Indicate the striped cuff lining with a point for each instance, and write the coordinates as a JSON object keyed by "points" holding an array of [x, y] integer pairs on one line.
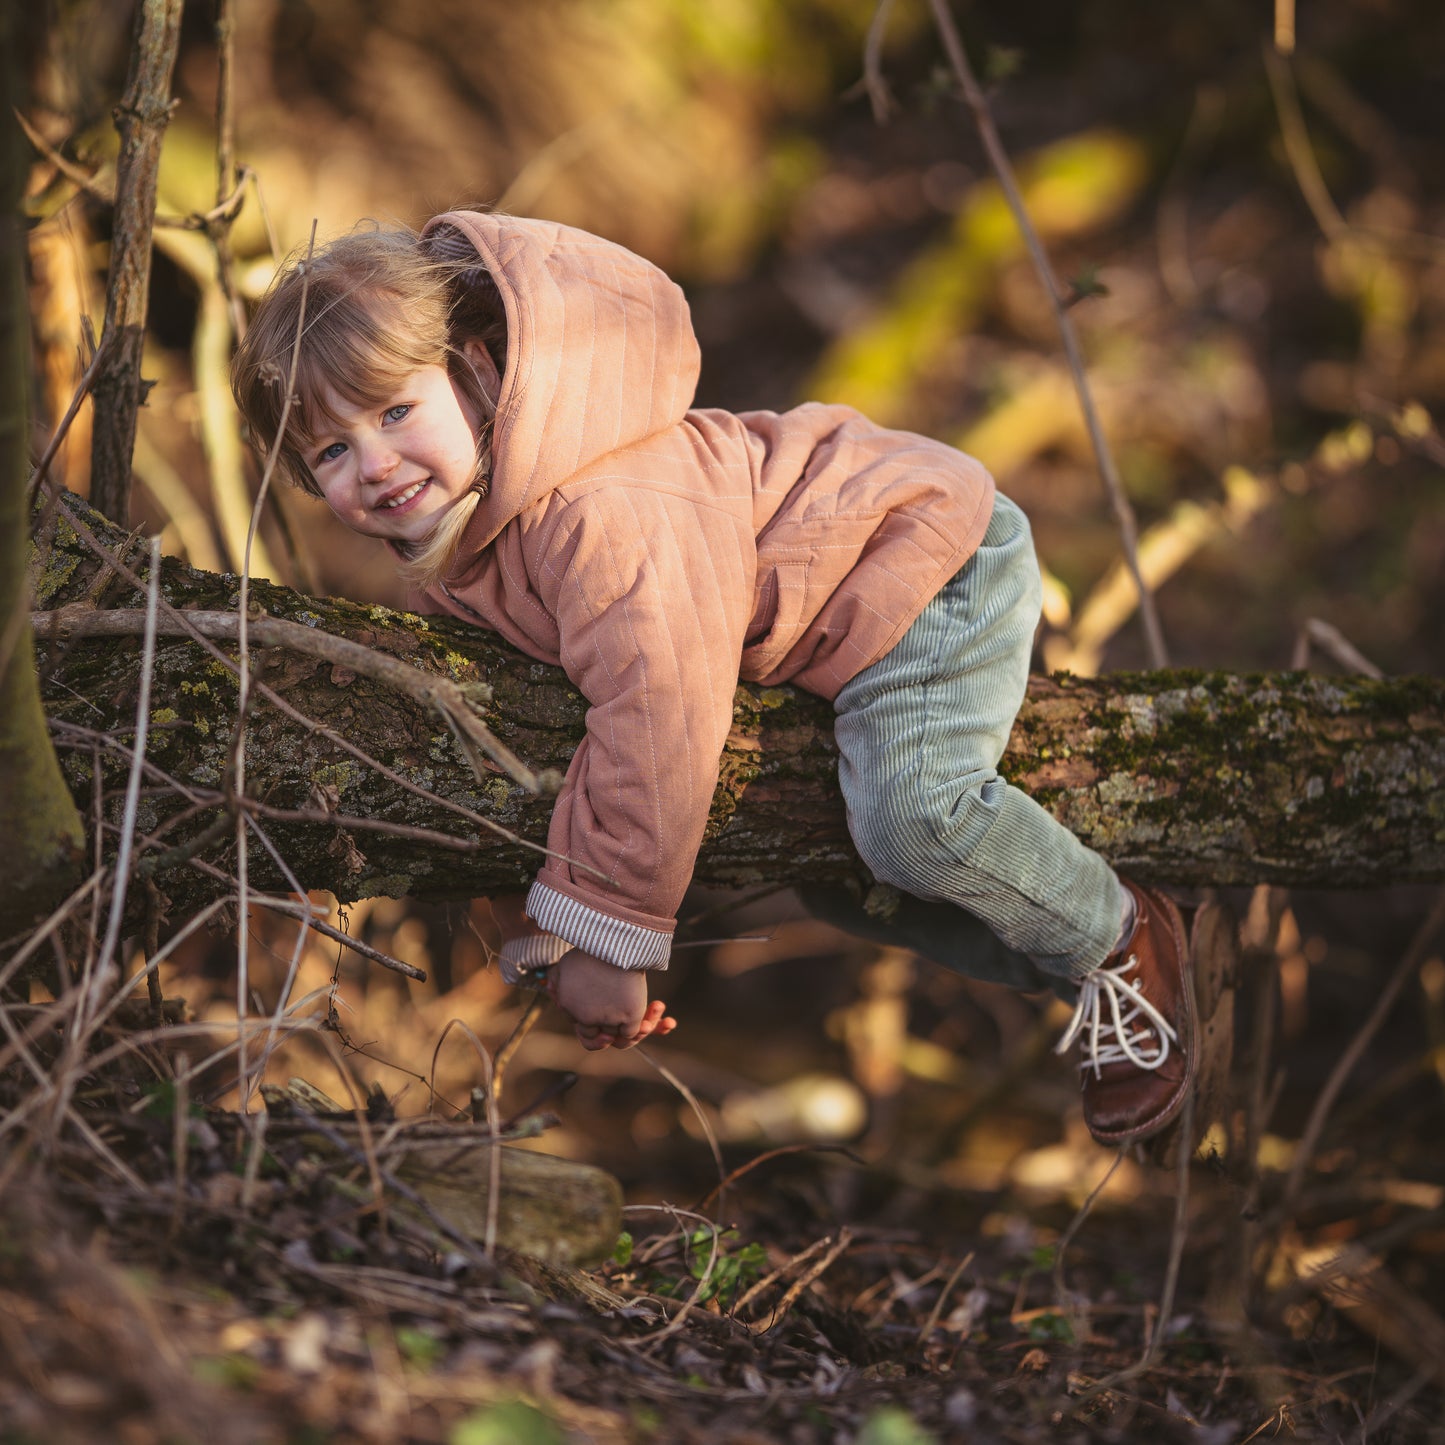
{"points": [[622, 944], [531, 954]]}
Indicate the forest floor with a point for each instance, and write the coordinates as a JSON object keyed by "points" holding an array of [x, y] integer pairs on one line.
{"points": [[933, 1280]]}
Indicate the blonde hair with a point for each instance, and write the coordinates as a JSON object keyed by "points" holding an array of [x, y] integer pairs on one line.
{"points": [[378, 306]]}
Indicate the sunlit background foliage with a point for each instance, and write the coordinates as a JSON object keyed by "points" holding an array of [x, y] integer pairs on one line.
{"points": [[1258, 275]]}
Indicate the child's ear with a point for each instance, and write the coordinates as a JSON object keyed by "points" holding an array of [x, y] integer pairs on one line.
{"points": [[481, 361]]}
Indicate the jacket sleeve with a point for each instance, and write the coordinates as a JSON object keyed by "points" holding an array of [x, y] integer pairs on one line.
{"points": [[652, 594]]}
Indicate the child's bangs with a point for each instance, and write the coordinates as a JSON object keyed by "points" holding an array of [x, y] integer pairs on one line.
{"points": [[357, 352]]}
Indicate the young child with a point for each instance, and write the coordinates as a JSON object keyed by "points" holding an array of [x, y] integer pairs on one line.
{"points": [[507, 404]]}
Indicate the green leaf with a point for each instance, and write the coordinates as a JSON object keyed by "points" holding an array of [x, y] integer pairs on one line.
{"points": [[512, 1423], [418, 1346], [893, 1425]]}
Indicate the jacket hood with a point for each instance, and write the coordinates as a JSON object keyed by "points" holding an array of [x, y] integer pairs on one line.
{"points": [[600, 355]]}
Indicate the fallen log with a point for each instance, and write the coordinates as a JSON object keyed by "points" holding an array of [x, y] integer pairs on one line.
{"points": [[1186, 777]]}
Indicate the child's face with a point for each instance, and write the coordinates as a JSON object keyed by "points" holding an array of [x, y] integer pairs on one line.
{"points": [[390, 471]]}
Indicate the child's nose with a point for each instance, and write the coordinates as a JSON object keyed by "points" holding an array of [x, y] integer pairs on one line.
{"points": [[378, 461]]}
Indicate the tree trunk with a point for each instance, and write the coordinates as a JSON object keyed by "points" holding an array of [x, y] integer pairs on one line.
{"points": [[1194, 778], [43, 833], [141, 117]]}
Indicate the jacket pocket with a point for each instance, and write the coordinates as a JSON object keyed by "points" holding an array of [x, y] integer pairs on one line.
{"points": [[765, 649]]}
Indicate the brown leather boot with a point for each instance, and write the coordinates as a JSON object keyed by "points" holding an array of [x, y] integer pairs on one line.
{"points": [[1134, 1023]]}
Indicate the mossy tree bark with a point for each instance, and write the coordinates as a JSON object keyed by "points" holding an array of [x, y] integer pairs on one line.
{"points": [[1190, 778], [43, 829]]}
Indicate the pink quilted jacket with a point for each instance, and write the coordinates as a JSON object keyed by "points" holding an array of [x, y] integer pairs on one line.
{"points": [[659, 553]]}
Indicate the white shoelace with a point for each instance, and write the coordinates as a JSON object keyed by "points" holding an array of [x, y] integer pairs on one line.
{"points": [[1119, 1037]]}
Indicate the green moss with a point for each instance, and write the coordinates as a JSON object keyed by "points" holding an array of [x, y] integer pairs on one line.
{"points": [[340, 776]]}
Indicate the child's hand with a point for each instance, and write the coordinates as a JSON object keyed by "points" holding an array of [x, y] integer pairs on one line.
{"points": [[607, 1004]]}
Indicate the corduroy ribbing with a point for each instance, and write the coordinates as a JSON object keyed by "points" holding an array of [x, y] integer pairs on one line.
{"points": [[614, 940], [920, 734]]}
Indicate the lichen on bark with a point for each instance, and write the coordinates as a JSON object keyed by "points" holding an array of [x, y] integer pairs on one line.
{"points": [[1193, 777]]}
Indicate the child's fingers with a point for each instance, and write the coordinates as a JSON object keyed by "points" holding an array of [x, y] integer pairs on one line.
{"points": [[651, 1026], [594, 1038]]}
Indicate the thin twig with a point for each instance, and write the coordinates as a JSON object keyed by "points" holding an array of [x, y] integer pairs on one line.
{"points": [[1178, 1236], [761, 1287], [494, 1157], [845, 1238], [441, 693], [505, 1054], [170, 613], [879, 96], [1408, 966], [1331, 640], [703, 1121], [1063, 1296], [936, 1313], [236, 769], [132, 797], [57, 439], [1003, 169], [320, 925], [778, 1153], [715, 1233], [1301, 156]]}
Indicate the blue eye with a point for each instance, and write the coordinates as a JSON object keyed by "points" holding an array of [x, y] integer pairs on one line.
{"points": [[330, 453], [396, 413]]}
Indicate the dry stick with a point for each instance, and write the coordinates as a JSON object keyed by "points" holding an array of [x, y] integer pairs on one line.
{"points": [[1408, 966], [1178, 1235], [936, 1313], [320, 925], [132, 797], [283, 998], [1063, 1296], [33, 942], [412, 832], [675, 1324], [494, 1156], [1330, 639], [1308, 176], [773, 1276], [82, 620], [227, 181], [702, 1119], [92, 184], [1003, 169], [505, 1054], [180, 616], [441, 693], [778, 1153], [879, 96], [1284, 26], [82, 390], [141, 118], [95, 976], [237, 767], [845, 1238]]}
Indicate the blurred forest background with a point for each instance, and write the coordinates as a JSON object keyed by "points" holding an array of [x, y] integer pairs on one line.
{"points": [[1255, 244]]}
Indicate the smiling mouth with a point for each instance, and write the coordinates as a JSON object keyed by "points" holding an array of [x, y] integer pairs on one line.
{"points": [[401, 498]]}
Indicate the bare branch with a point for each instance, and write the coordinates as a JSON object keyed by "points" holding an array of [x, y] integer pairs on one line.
{"points": [[1003, 169], [141, 118]]}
